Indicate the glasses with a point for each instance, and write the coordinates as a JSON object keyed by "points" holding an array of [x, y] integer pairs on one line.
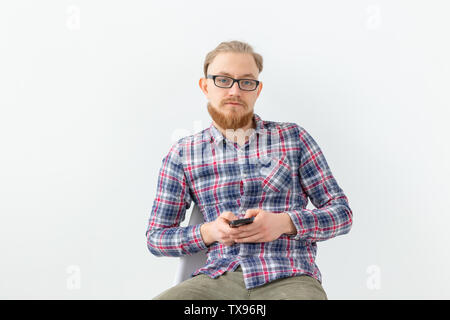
{"points": [[227, 82]]}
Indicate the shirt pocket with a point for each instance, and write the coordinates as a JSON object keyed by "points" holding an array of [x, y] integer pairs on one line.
{"points": [[276, 174]]}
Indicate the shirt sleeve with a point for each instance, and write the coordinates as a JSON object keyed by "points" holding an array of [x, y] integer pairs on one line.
{"points": [[332, 216], [164, 235]]}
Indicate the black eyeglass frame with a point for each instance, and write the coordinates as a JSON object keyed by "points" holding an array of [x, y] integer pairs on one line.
{"points": [[213, 77]]}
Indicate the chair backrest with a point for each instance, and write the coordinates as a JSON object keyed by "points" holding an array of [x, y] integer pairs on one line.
{"points": [[188, 264]]}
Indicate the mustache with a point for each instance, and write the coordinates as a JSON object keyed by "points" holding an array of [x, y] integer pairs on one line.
{"points": [[234, 101]]}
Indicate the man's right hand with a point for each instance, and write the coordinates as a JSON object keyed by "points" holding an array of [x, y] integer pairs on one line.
{"points": [[218, 230]]}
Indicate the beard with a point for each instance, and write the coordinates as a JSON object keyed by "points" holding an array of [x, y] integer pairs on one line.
{"points": [[230, 118]]}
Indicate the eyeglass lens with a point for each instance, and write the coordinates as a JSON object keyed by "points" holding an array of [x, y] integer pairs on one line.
{"points": [[245, 84]]}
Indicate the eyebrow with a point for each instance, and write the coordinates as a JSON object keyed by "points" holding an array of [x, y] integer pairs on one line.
{"points": [[243, 76]]}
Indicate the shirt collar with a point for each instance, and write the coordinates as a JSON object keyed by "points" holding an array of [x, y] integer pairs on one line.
{"points": [[218, 137]]}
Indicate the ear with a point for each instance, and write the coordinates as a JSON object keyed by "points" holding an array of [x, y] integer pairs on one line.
{"points": [[259, 89], [203, 85]]}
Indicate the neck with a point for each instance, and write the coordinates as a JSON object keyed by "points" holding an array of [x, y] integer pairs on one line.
{"points": [[240, 135]]}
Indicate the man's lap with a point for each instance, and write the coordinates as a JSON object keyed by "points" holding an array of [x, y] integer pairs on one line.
{"points": [[230, 286]]}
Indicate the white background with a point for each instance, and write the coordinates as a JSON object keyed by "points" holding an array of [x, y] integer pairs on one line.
{"points": [[93, 94]]}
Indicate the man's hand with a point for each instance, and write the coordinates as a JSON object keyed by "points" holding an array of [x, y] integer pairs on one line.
{"points": [[265, 227], [218, 230]]}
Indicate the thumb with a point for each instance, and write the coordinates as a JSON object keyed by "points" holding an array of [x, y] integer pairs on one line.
{"points": [[228, 215], [252, 212]]}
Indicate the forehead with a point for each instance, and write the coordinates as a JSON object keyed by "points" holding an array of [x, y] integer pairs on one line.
{"points": [[239, 65]]}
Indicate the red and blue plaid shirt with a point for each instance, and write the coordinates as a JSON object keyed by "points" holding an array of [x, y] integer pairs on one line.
{"points": [[277, 170]]}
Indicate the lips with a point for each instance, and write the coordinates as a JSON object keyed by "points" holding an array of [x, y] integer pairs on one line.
{"points": [[234, 103]]}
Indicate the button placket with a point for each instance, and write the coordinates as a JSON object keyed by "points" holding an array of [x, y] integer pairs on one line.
{"points": [[241, 161], [241, 212]]}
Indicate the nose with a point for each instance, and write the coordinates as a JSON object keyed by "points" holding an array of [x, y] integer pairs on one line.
{"points": [[235, 90]]}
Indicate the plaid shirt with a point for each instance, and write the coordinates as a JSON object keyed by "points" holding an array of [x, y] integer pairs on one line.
{"points": [[277, 169]]}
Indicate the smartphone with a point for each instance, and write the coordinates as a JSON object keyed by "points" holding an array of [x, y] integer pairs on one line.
{"points": [[241, 222]]}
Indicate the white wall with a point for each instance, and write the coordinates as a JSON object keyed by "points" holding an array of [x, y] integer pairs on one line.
{"points": [[93, 93]]}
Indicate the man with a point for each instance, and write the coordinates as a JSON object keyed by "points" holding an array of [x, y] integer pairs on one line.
{"points": [[241, 167]]}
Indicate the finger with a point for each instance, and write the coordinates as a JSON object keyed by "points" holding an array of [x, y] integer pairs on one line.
{"points": [[233, 232], [249, 228], [244, 235], [254, 238], [252, 212], [228, 216], [229, 242]]}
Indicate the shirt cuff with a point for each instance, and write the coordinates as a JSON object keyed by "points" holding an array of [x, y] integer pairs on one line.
{"points": [[298, 223], [195, 241]]}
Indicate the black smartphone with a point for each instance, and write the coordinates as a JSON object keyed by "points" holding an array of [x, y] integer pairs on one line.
{"points": [[241, 222]]}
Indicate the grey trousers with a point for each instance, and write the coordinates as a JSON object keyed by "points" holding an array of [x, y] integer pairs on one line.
{"points": [[230, 286]]}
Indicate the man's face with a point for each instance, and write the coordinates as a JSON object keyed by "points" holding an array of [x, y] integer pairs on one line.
{"points": [[224, 114]]}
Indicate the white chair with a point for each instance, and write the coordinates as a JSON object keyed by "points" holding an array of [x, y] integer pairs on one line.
{"points": [[188, 264]]}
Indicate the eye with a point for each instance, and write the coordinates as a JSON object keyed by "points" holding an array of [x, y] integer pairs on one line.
{"points": [[223, 81]]}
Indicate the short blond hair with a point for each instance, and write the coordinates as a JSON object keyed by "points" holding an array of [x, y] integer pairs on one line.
{"points": [[233, 46]]}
